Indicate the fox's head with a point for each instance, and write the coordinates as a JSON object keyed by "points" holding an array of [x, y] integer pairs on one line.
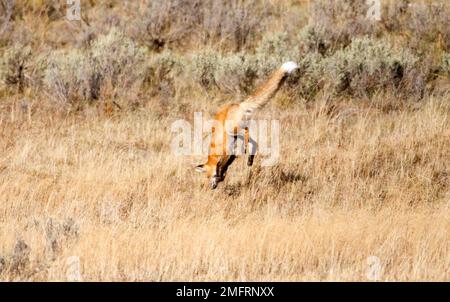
{"points": [[206, 168], [210, 169]]}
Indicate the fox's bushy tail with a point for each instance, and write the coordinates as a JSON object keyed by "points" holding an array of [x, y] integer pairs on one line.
{"points": [[267, 90]]}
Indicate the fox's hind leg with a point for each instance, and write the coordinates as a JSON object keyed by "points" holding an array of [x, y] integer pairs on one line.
{"points": [[251, 147]]}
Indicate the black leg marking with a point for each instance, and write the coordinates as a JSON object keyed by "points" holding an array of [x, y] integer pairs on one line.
{"points": [[225, 167], [253, 147]]}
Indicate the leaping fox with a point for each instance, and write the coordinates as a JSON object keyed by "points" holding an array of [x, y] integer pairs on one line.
{"points": [[232, 119]]}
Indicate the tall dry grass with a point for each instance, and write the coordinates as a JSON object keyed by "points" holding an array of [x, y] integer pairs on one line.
{"points": [[352, 182]]}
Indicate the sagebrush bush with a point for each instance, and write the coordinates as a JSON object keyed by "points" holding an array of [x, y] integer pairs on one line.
{"points": [[163, 72], [362, 68], [164, 47], [203, 66], [366, 66], [313, 39], [119, 63], [446, 63], [235, 73], [273, 50], [70, 77], [238, 72], [230, 73], [113, 67], [308, 80], [14, 65]]}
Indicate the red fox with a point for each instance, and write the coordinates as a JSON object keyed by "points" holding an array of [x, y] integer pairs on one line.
{"points": [[232, 119]]}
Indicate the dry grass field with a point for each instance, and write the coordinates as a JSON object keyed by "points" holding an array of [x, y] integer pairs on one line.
{"points": [[108, 191], [92, 192]]}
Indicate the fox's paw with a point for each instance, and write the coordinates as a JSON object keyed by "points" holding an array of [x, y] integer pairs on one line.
{"points": [[214, 182]]}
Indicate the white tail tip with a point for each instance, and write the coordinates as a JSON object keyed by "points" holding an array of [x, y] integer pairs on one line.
{"points": [[289, 66]]}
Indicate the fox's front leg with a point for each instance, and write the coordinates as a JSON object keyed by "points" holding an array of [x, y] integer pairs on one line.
{"points": [[227, 163], [221, 170], [224, 162]]}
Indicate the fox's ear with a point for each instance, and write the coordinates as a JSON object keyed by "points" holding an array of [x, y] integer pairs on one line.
{"points": [[200, 168]]}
